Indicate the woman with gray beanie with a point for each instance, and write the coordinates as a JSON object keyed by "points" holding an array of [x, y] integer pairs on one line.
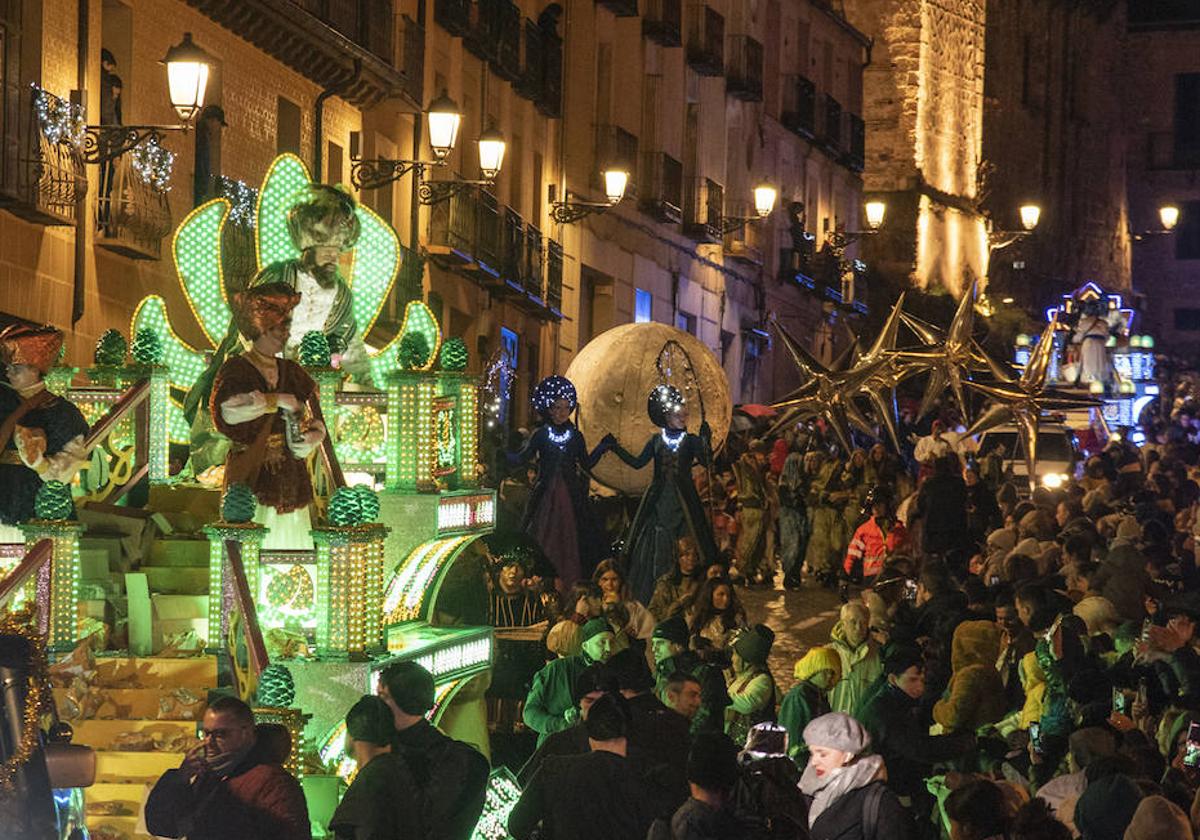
{"points": [[845, 787]]}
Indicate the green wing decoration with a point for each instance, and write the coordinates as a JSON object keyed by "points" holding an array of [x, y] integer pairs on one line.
{"points": [[185, 362], [197, 251], [286, 177]]}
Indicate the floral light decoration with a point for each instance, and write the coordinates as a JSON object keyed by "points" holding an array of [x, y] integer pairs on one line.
{"points": [[196, 248], [59, 120], [154, 164]]}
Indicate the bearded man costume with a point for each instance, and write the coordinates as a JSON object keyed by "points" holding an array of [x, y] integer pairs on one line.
{"points": [[270, 444], [41, 435], [322, 224]]}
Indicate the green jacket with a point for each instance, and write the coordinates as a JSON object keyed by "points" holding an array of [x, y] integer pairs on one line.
{"points": [[551, 695]]}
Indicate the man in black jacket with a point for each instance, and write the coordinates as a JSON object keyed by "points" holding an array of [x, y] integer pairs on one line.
{"points": [[450, 775], [669, 643], [891, 715], [382, 803], [596, 796]]}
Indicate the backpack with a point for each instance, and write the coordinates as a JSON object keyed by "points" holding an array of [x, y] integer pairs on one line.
{"points": [[870, 812], [767, 799]]}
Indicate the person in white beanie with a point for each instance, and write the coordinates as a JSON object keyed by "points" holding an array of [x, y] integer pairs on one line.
{"points": [[845, 787]]}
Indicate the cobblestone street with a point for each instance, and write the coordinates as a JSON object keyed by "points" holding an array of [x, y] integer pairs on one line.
{"points": [[800, 620]]}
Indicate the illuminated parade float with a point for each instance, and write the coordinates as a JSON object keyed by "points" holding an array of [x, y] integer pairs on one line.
{"points": [[1099, 352], [389, 569]]}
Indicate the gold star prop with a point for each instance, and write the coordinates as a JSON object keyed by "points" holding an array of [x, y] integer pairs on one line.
{"points": [[824, 393], [890, 370], [950, 358], [1023, 402]]}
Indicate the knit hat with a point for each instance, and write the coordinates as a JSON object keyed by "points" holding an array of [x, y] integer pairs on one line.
{"points": [[712, 761], [837, 731], [1002, 540], [673, 629], [754, 644], [593, 628], [819, 659], [1158, 818], [1106, 808], [1129, 529]]}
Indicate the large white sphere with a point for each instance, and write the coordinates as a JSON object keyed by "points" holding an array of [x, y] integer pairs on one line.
{"points": [[615, 372]]}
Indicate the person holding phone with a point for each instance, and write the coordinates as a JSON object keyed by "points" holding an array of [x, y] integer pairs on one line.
{"points": [[228, 786]]}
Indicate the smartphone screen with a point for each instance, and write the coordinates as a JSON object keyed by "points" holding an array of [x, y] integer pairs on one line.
{"points": [[1122, 701], [910, 590], [1191, 754], [1035, 736]]}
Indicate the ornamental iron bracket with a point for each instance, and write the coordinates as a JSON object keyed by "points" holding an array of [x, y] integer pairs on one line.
{"points": [[435, 192], [105, 143], [568, 212], [379, 172]]}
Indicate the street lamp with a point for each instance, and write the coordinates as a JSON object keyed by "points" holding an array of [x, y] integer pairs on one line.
{"points": [[444, 121], [875, 211], [1030, 214], [491, 153], [616, 179], [187, 80], [764, 203], [1168, 214]]}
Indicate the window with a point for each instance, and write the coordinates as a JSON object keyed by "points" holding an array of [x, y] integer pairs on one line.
{"points": [[1187, 234], [1187, 320], [333, 163], [509, 343], [1187, 113], [686, 321], [287, 126], [643, 306]]}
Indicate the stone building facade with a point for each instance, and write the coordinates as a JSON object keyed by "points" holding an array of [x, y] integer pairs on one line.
{"points": [[701, 101], [1162, 85]]}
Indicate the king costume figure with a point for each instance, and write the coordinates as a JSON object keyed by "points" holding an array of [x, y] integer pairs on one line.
{"points": [[41, 435], [266, 405], [322, 224]]}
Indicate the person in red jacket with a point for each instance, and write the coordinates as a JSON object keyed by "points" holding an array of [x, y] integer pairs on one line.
{"points": [[228, 787], [874, 540]]}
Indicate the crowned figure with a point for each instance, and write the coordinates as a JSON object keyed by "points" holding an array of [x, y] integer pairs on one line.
{"points": [[41, 434], [266, 406]]}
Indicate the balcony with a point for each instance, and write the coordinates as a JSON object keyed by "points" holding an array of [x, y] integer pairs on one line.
{"points": [[662, 188], [533, 264], [40, 179], [616, 146], [744, 78], [132, 212], [454, 16], [799, 114], [796, 264], [1163, 152], [703, 212], [620, 8], [662, 22], [554, 278], [494, 35], [856, 158], [831, 126], [706, 40], [323, 40], [746, 244]]}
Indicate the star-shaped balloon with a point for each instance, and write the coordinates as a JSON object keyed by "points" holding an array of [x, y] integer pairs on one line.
{"points": [[826, 393], [950, 358], [1024, 401], [888, 369]]}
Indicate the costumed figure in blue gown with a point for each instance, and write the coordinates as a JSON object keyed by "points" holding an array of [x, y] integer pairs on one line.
{"points": [[41, 435], [670, 507], [558, 515]]}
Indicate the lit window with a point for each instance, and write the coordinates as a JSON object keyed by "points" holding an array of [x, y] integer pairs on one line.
{"points": [[643, 306]]}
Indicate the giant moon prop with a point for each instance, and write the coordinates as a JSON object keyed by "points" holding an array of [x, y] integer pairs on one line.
{"points": [[615, 372]]}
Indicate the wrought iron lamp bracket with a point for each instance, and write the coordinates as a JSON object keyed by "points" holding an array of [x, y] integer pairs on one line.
{"points": [[435, 192], [379, 172], [104, 143]]}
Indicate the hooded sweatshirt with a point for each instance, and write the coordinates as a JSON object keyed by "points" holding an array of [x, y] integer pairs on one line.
{"points": [[975, 695]]}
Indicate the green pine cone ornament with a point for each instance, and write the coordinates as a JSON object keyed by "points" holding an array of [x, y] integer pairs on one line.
{"points": [[314, 349], [111, 349], [53, 501], [454, 354], [276, 688], [147, 348], [238, 504], [414, 351], [345, 508], [368, 502]]}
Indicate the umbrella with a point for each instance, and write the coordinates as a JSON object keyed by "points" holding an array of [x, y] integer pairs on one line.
{"points": [[756, 411]]}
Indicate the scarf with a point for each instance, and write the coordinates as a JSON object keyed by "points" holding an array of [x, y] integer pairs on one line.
{"points": [[223, 764], [829, 789]]}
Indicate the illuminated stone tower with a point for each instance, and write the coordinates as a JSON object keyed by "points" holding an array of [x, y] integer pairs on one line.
{"points": [[923, 105]]}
